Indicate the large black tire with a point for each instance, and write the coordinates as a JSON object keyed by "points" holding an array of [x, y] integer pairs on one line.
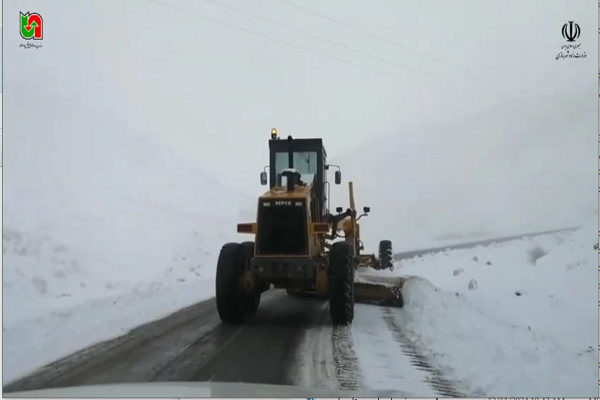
{"points": [[341, 284], [233, 303], [228, 293], [386, 256]]}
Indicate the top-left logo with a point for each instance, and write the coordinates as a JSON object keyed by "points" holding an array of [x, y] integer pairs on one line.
{"points": [[32, 26]]}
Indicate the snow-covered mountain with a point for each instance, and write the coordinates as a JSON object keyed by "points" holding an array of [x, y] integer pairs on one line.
{"points": [[520, 167], [91, 208]]}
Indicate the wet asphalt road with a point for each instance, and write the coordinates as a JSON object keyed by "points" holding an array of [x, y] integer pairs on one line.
{"points": [[415, 253], [191, 345]]}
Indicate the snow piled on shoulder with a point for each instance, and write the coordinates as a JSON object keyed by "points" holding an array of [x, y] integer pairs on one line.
{"points": [[63, 330], [96, 217], [514, 319]]}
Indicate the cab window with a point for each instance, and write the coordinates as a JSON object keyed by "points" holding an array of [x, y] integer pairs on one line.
{"points": [[304, 162]]}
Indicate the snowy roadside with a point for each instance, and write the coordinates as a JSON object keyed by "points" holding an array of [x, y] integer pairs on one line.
{"points": [[102, 239], [77, 279], [364, 356], [35, 342], [384, 365], [511, 319], [527, 326], [51, 269], [58, 299]]}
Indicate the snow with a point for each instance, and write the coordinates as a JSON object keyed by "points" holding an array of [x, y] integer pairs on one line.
{"points": [[384, 364], [483, 176], [63, 329], [76, 278], [488, 339], [100, 221], [323, 365], [104, 229]]}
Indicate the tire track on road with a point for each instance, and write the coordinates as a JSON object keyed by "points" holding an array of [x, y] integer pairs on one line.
{"points": [[347, 370], [264, 350], [326, 358], [435, 378]]}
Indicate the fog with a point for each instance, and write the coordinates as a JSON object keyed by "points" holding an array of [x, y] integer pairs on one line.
{"points": [[519, 167], [450, 116]]}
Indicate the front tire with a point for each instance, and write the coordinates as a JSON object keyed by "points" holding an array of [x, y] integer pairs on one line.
{"points": [[386, 256], [341, 284]]}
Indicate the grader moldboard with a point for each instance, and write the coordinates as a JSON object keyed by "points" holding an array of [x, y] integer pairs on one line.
{"points": [[295, 247]]}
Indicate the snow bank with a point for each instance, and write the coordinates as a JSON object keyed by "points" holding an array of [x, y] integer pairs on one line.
{"points": [[93, 212], [76, 227], [528, 328], [384, 365], [65, 329], [512, 319]]}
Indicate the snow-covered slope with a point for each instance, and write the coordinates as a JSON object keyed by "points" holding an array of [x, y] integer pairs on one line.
{"points": [[521, 167], [92, 212], [91, 208], [513, 319]]}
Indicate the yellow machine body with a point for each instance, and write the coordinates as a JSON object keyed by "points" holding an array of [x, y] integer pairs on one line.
{"points": [[299, 245], [372, 290]]}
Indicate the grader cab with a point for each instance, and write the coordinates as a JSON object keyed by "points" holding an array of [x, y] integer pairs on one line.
{"points": [[296, 244]]}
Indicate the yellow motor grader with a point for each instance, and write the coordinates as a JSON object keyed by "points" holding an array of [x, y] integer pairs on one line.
{"points": [[296, 244]]}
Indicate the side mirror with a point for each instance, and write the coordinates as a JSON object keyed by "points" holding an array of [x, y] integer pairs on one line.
{"points": [[338, 177], [339, 210], [366, 210], [263, 178]]}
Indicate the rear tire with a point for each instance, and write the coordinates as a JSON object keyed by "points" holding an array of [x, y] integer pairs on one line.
{"points": [[234, 303], [228, 294], [341, 284], [386, 256]]}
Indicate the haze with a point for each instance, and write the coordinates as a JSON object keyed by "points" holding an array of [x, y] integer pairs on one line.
{"points": [[484, 131]]}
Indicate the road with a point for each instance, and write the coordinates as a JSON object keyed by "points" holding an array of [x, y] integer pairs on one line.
{"points": [[192, 345], [415, 253]]}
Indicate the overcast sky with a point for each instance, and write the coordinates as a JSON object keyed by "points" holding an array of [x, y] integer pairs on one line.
{"points": [[192, 78], [209, 81]]}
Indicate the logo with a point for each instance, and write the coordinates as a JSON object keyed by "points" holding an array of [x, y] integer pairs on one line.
{"points": [[283, 203], [32, 26], [571, 31]]}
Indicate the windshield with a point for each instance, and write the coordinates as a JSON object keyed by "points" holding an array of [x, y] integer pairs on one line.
{"points": [[304, 162]]}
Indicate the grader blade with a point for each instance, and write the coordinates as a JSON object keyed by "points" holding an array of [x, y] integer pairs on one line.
{"points": [[379, 291]]}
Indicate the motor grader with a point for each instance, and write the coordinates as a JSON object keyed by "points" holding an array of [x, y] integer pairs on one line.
{"points": [[299, 245]]}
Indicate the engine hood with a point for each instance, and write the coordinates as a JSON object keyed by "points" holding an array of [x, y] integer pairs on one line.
{"points": [[191, 389], [282, 193]]}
